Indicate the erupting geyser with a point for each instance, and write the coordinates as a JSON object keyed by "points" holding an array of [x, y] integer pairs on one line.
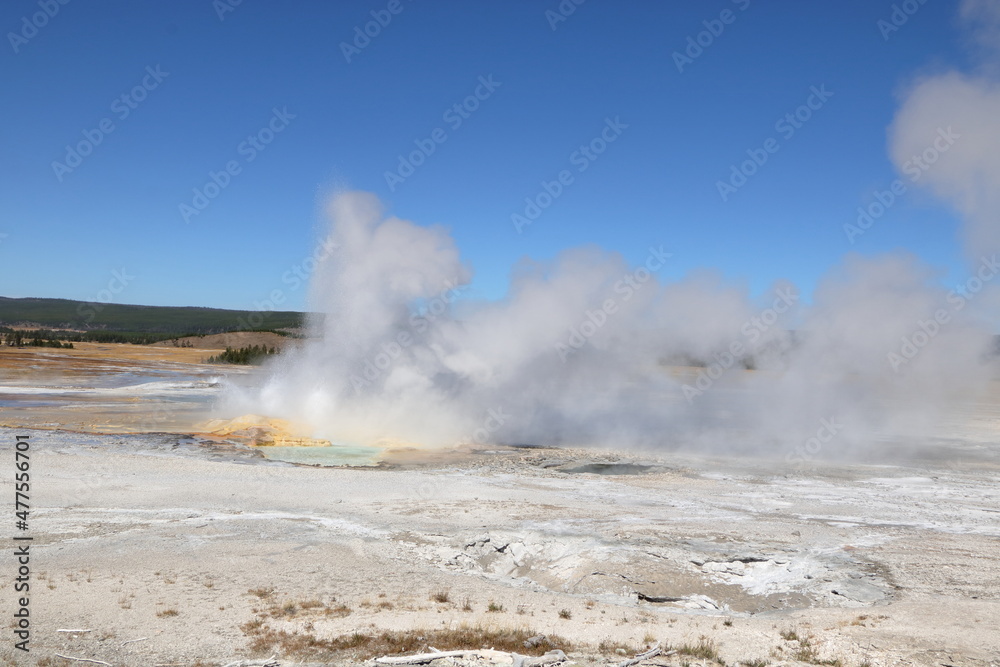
{"points": [[587, 350]]}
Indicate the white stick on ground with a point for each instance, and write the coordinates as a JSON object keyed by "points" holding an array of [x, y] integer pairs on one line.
{"points": [[96, 662], [422, 657], [73, 630], [549, 658], [651, 653], [132, 641], [552, 657]]}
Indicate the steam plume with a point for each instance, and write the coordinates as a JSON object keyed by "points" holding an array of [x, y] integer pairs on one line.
{"points": [[588, 350]]}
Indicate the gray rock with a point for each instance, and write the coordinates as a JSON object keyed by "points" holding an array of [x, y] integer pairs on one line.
{"points": [[859, 591]]}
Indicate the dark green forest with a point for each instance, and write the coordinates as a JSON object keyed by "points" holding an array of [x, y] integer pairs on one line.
{"points": [[254, 354], [37, 338], [128, 323]]}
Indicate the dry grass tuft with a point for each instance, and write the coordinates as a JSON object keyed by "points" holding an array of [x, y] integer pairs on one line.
{"points": [[790, 635], [293, 609], [359, 646], [262, 593], [705, 649], [609, 647], [49, 661], [806, 652]]}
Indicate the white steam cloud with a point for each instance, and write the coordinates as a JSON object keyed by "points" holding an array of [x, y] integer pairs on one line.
{"points": [[967, 175], [587, 350]]}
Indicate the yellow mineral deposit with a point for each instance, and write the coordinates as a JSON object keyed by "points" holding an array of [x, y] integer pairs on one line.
{"points": [[259, 431]]}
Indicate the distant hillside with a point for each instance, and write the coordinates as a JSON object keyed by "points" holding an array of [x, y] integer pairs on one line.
{"points": [[86, 316]]}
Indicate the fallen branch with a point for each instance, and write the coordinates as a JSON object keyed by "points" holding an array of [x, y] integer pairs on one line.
{"points": [[132, 641], [96, 662], [422, 657], [270, 662], [651, 653], [74, 630], [550, 658], [655, 651], [658, 598]]}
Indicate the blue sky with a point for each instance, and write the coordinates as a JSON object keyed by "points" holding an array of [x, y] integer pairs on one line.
{"points": [[220, 81]]}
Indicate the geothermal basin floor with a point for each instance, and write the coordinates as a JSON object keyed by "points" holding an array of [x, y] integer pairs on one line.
{"points": [[211, 553]]}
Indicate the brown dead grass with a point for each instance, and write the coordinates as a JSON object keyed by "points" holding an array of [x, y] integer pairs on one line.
{"points": [[89, 357], [609, 647], [234, 339], [262, 593], [293, 609], [265, 640], [705, 649]]}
